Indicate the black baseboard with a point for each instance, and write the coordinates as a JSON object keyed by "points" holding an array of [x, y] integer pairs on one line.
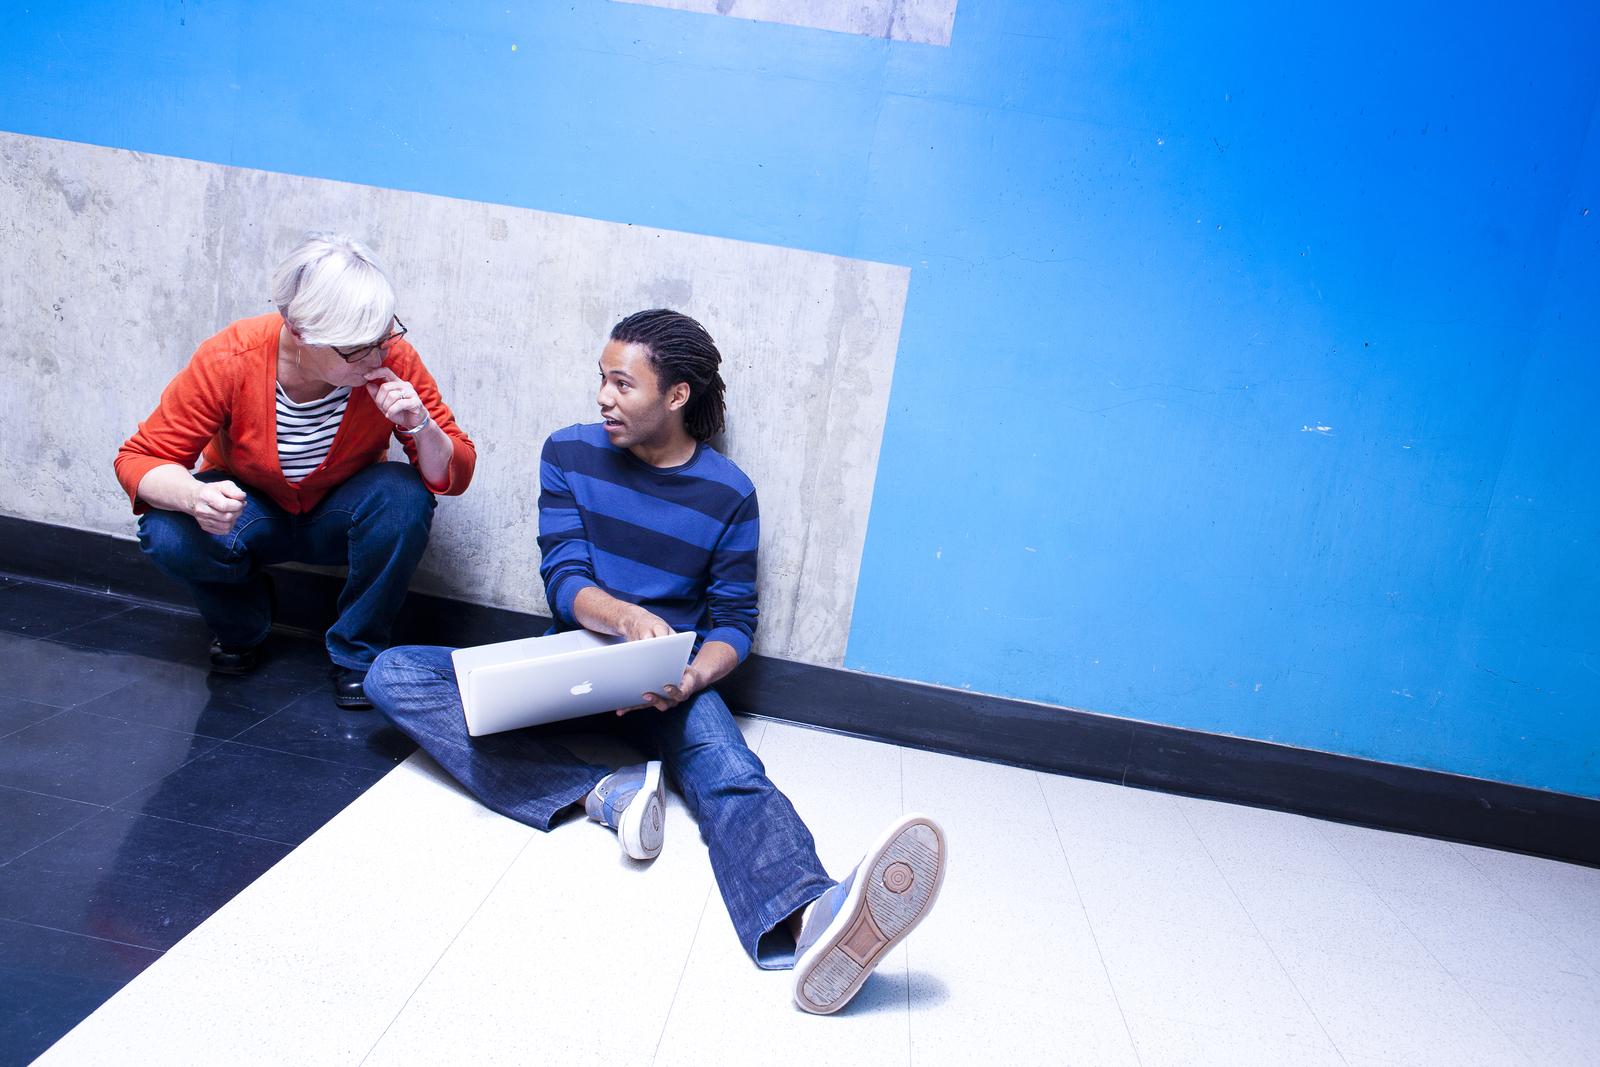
{"points": [[1043, 737], [1173, 760], [305, 599]]}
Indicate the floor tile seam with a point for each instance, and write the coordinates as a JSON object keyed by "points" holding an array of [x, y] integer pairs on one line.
{"points": [[1430, 968], [87, 937], [1549, 930], [1457, 981], [445, 951], [1527, 1058], [1543, 989], [52, 796], [1384, 899], [110, 650], [911, 1037], [107, 594], [1115, 923], [1591, 997], [52, 710], [64, 830], [194, 756], [900, 772], [31, 725], [761, 736], [79, 646], [56, 708], [1276, 958], [1454, 979], [302, 755], [1093, 936], [1366, 880], [210, 954], [266, 712], [1379, 890], [1274, 882], [216, 829], [1235, 1032], [911, 1055], [320, 687], [53, 634], [1551, 933], [666, 1019], [79, 708]]}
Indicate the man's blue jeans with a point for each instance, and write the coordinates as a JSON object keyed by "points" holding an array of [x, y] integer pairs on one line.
{"points": [[377, 522], [763, 856]]}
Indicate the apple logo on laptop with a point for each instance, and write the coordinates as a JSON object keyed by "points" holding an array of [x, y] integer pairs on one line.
{"points": [[579, 690]]}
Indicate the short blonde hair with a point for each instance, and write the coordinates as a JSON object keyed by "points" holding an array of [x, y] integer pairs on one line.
{"points": [[334, 291]]}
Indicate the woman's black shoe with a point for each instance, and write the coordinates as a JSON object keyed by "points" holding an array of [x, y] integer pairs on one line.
{"points": [[347, 688], [234, 659], [242, 659]]}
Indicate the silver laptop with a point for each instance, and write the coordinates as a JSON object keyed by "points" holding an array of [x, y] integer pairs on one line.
{"points": [[512, 684]]}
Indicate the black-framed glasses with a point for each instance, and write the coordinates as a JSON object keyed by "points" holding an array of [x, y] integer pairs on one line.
{"points": [[351, 355]]}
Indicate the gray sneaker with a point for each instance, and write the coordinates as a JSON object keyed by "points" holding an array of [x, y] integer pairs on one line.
{"points": [[632, 802], [852, 926]]}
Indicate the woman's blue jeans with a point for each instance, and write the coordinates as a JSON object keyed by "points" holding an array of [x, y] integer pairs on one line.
{"points": [[377, 522], [763, 856]]}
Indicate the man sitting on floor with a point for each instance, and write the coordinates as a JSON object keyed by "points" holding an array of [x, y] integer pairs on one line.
{"points": [[644, 528]]}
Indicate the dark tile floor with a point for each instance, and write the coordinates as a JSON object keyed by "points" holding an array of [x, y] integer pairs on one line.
{"points": [[139, 792]]}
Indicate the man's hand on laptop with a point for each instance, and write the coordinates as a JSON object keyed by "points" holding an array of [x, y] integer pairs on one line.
{"points": [[603, 613], [691, 684], [639, 624], [715, 659]]}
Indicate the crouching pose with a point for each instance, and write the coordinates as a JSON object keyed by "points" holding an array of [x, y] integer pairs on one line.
{"points": [[645, 529], [290, 416]]}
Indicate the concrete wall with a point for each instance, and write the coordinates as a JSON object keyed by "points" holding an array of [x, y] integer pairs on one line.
{"points": [[124, 262], [921, 21], [1237, 340]]}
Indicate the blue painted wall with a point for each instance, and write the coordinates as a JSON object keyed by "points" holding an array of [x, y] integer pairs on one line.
{"points": [[1246, 373]]}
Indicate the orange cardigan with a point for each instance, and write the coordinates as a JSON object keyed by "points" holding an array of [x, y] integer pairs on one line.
{"points": [[225, 403]]}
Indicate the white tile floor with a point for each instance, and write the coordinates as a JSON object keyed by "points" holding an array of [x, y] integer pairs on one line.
{"points": [[1081, 923]]}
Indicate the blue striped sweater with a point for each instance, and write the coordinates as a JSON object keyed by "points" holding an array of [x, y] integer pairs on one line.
{"points": [[678, 541]]}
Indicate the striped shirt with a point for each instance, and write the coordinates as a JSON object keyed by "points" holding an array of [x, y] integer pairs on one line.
{"points": [[678, 541], [306, 431]]}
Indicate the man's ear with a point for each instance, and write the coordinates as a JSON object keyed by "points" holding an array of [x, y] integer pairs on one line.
{"points": [[678, 396]]}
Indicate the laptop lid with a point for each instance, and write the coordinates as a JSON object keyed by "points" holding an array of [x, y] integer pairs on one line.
{"points": [[512, 684]]}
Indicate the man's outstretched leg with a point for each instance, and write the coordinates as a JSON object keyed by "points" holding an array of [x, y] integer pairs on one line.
{"points": [[764, 858], [766, 863], [852, 926]]}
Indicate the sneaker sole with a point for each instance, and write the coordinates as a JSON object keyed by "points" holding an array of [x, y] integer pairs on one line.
{"points": [[900, 880], [644, 821]]}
